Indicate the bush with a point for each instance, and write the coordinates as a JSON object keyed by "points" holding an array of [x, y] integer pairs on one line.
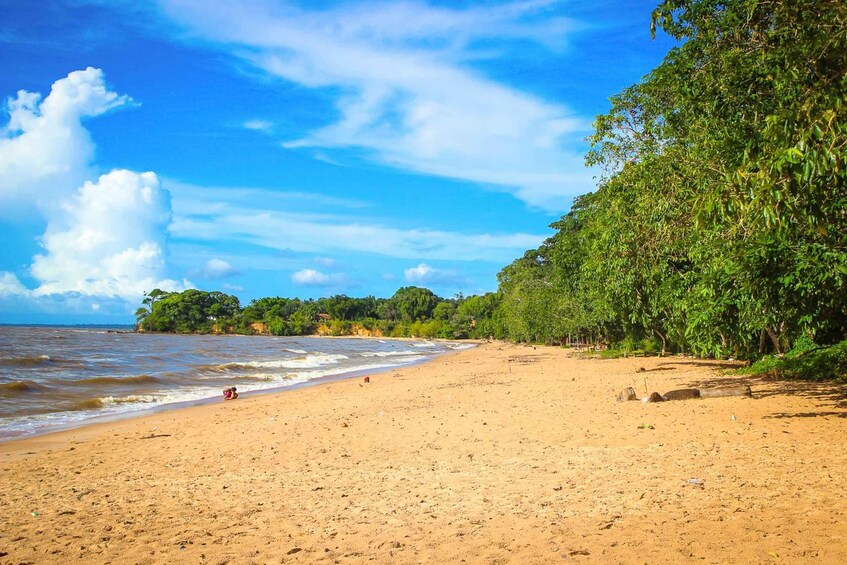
{"points": [[805, 362]]}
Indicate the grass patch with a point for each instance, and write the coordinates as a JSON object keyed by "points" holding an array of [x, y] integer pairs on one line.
{"points": [[805, 361]]}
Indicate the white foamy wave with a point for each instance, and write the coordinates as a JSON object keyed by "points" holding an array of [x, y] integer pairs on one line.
{"points": [[425, 344], [390, 354], [297, 351], [136, 398], [307, 362]]}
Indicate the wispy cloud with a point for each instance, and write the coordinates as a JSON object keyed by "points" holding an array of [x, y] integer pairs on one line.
{"points": [[258, 125], [407, 91], [229, 215]]}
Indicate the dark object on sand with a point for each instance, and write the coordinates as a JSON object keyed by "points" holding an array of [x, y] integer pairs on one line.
{"points": [[627, 394], [742, 390], [682, 394], [687, 393]]}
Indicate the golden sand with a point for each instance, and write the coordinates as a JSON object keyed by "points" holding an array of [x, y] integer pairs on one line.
{"points": [[500, 454]]}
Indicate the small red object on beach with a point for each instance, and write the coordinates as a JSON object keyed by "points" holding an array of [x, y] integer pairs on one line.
{"points": [[367, 379]]}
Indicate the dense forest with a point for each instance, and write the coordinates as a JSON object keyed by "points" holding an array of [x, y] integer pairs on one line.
{"points": [[719, 223]]}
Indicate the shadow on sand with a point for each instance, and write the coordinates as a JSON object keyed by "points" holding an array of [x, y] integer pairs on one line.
{"points": [[830, 396]]}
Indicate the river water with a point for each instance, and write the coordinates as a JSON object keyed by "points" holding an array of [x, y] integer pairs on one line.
{"points": [[56, 377]]}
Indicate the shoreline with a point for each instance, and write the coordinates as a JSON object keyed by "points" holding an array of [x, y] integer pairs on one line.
{"points": [[180, 405], [500, 453]]}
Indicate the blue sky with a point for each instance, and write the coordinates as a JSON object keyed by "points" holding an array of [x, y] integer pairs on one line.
{"points": [[273, 148]]}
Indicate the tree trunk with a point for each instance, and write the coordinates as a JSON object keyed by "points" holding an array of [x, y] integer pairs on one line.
{"points": [[664, 339], [775, 341]]}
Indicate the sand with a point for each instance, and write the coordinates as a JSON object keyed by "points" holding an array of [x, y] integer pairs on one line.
{"points": [[501, 454]]}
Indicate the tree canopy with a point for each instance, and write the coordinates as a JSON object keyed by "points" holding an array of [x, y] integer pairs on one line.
{"points": [[718, 223]]}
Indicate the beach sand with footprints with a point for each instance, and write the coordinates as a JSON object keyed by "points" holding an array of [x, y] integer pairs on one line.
{"points": [[499, 454]]}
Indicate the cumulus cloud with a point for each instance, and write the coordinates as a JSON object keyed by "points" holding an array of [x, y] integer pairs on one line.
{"points": [[10, 285], [311, 277], [406, 91], [110, 240], [217, 269], [314, 278], [105, 238], [45, 152], [424, 274]]}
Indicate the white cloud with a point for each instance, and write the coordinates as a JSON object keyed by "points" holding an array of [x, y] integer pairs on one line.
{"points": [[45, 152], [110, 240], [10, 285], [311, 277], [406, 91], [228, 214], [424, 274], [217, 269], [104, 239], [258, 125], [325, 261], [305, 233]]}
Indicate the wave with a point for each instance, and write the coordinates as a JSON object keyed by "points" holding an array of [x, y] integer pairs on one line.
{"points": [[390, 354], [88, 404], [134, 380], [425, 344], [29, 361], [17, 388], [133, 399], [306, 362]]}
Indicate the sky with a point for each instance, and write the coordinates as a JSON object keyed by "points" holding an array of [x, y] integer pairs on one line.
{"points": [[296, 149]]}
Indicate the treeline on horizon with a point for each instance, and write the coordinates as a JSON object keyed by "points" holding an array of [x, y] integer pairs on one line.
{"points": [[719, 223], [411, 312]]}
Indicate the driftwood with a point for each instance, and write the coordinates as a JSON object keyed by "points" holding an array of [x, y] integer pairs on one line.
{"points": [[682, 394], [726, 391], [686, 393]]}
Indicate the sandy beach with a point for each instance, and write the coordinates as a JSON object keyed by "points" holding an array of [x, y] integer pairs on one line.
{"points": [[499, 454]]}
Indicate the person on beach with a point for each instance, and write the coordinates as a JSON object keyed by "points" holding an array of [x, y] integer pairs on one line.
{"points": [[230, 393]]}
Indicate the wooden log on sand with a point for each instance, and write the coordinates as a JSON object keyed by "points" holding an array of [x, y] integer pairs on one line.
{"points": [[682, 394], [726, 391]]}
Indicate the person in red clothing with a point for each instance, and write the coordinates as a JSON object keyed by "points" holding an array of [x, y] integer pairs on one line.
{"points": [[230, 393]]}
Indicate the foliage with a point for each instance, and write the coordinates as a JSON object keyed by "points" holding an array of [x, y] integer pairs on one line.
{"points": [[411, 312], [191, 311], [806, 363], [718, 225]]}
